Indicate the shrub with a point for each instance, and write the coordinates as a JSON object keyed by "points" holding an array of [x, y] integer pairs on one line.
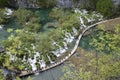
{"points": [[105, 7], [3, 3], [47, 3]]}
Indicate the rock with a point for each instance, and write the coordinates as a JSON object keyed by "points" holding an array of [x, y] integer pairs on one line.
{"points": [[23, 3], [61, 3]]}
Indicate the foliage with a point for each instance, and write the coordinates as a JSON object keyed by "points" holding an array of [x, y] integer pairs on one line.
{"points": [[44, 44], [3, 3], [16, 47], [107, 41], [99, 65], [107, 67], [66, 18], [47, 3], [17, 78], [93, 4], [29, 78], [29, 20], [3, 16], [105, 7], [1, 75], [23, 15]]}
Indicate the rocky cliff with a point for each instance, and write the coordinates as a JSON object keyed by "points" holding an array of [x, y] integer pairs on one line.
{"points": [[60, 3], [23, 3]]}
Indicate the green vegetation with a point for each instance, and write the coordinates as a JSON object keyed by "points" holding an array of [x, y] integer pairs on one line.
{"points": [[23, 44], [3, 3], [23, 15], [16, 46], [102, 64], [107, 41], [47, 3], [29, 20], [3, 16], [1, 75], [93, 4], [105, 7], [66, 18]]}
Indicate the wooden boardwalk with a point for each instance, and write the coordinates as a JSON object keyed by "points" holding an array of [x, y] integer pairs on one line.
{"points": [[26, 73]]}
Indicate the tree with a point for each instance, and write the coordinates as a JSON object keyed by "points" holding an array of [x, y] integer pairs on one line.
{"points": [[3, 16], [29, 20], [105, 7], [22, 15], [44, 44], [18, 46], [106, 44], [108, 67], [33, 25], [107, 41], [1, 75], [29, 78], [66, 19], [3, 3], [47, 3]]}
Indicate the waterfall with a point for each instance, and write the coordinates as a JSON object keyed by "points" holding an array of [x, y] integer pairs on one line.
{"points": [[8, 11], [50, 59], [59, 51], [65, 45], [33, 46], [1, 27], [75, 31], [68, 37], [42, 63], [82, 22], [33, 62]]}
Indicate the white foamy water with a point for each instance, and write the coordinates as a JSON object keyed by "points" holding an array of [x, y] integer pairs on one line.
{"points": [[1, 27], [50, 59], [8, 11], [42, 63], [68, 37], [75, 31]]}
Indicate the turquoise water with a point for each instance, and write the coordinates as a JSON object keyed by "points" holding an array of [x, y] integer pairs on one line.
{"points": [[44, 13], [87, 39], [11, 24]]}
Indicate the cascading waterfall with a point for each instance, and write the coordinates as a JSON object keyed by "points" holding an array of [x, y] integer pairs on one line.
{"points": [[8, 11], [50, 59], [1, 27], [75, 32], [69, 37], [42, 62]]}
